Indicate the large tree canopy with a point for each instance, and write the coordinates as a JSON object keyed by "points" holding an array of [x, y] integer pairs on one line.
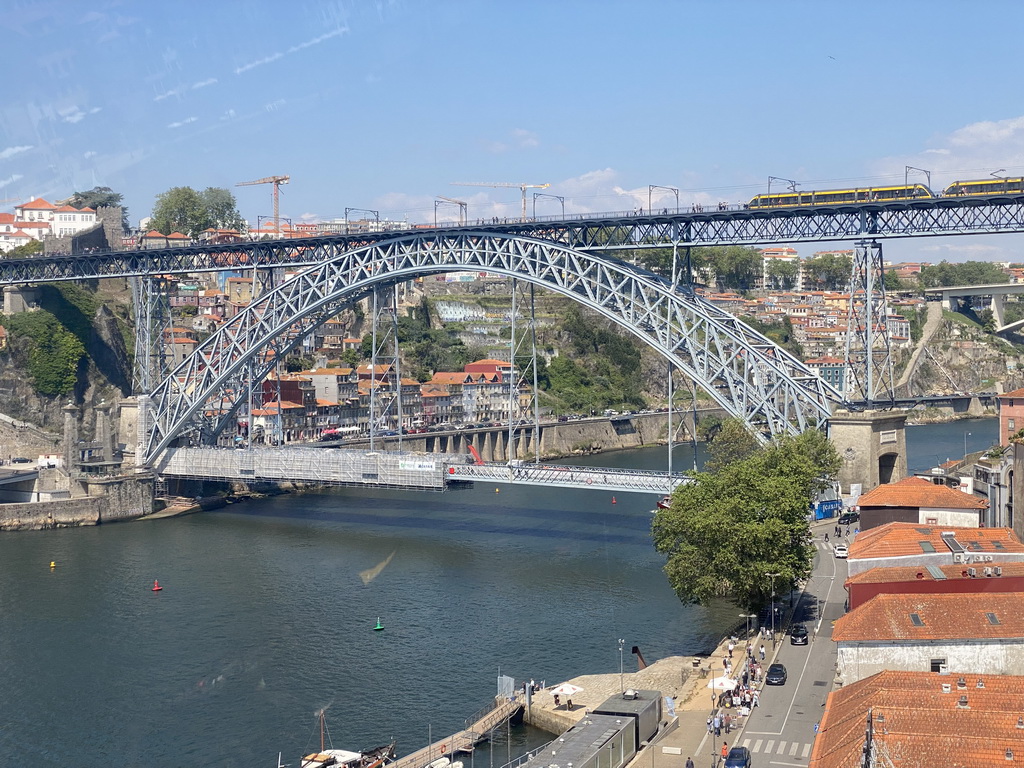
{"points": [[728, 530], [100, 197], [182, 209]]}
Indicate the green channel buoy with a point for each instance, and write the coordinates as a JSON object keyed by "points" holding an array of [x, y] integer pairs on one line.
{"points": [[379, 626]]}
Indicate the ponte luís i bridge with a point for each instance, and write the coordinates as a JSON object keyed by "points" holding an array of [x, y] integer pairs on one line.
{"points": [[745, 373]]}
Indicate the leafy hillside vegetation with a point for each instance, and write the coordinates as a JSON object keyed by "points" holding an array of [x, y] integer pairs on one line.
{"points": [[598, 368]]}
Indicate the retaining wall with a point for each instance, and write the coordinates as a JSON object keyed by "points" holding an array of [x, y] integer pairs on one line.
{"points": [[103, 501]]}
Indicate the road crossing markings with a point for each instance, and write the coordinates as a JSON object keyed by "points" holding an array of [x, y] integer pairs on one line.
{"points": [[757, 745], [769, 745], [781, 749], [793, 748], [806, 752]]}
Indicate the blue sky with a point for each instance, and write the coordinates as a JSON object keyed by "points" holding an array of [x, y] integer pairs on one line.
{"points": [[381, 105]]}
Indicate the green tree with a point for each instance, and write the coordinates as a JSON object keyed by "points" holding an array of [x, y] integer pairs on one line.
{"points": [[828, 272], [783, 274], [181, 209], [100, 197], [736, 266], [30, 248], [893, 282], [350, 358], [946, 274], [221, 208], [732, 442], [725, 532], [53, 353]]}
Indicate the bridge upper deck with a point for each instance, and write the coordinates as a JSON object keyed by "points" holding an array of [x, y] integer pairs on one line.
{"points": [[586, 232]]}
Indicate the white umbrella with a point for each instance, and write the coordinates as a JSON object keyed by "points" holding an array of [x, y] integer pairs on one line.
{"points": [[723, 684], [565, 689]]}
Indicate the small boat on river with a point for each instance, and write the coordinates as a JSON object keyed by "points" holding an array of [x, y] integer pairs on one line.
{"points": [[343, 758], [665, 502]]}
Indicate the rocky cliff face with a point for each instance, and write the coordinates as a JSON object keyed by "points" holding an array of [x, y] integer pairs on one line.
{"points": [[104, 375]]}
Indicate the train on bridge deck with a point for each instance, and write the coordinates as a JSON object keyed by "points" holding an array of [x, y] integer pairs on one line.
{"points": [[888, 194]]}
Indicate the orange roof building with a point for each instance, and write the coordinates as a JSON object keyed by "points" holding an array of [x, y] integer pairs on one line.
{"points": [[1011, 414], [910, 544], [933, 579], [917, 500], [958, 633], [920, 718]]}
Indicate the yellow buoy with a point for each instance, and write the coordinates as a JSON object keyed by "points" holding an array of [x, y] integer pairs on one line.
{"points": [[53, 564], [496, 490]]}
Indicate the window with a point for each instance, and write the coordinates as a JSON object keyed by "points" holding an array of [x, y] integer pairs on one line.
{"points": [[1010, 425], [915, 619], [937, 664]]}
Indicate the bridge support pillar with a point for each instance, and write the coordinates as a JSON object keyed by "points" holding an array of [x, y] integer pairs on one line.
{"points": [[872, 446], [999, 309]]}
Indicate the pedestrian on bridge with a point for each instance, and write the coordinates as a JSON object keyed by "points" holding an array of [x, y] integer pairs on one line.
{"points": [[762, 651]]}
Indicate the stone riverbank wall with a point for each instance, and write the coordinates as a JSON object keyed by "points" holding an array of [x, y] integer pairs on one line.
{"points": [[92, 502]]}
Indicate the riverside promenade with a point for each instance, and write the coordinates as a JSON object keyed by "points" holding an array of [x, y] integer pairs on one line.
{"points": [[677, 677]]}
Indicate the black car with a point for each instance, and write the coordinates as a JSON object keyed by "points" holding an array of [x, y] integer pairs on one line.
{"points": [[776, 675], [798, 635], [738, 757], [20, 460], [849, 517]]}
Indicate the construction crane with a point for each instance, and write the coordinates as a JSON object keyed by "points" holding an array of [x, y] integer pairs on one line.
{"points": [[277, 181], [523, 187], [463, 208]]}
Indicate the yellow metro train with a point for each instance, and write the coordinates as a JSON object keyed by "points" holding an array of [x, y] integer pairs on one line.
{"points": [[886, 194]]}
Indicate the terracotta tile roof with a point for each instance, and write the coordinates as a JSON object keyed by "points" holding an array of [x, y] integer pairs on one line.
{"points": [[903, 539], [1017, 393], [329, 372], [884, 575], [39, 204], [33, 224], [447, 377], [954, 616], [489, 361], [325, 403], [921, 725], [918, 492]]}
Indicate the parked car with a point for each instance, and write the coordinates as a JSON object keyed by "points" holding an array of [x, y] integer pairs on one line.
{"points": [[841, 551], [776, 675], [849, 517], [20, 460], [798, 634], [738, 757]]}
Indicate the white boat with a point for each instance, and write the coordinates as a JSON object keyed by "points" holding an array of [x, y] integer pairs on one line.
{"points": [[343, 758]]}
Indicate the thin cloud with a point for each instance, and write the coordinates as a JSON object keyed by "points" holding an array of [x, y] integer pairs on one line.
{"points": [[318, 40], [168, 94], [12, 151], [526, 139], [89, 154], [259, 63], [204, 83], [10, 179], [181, 123]]}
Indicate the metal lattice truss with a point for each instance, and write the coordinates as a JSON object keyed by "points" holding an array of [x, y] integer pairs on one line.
{"points": [[590, 232], [747, 374], [868, 348]]}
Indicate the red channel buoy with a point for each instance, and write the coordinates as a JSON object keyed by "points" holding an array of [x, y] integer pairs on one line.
{"points": [[156, 586], [614, 501]]}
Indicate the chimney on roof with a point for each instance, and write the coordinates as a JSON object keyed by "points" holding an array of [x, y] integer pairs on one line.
{"points": [[1020, 722], [961, 684], [981, 683], [962, 702], [947, 688]]}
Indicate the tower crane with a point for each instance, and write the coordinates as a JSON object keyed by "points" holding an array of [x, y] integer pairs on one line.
{"points": [[523, 187], [463, 208], [277, 181]]}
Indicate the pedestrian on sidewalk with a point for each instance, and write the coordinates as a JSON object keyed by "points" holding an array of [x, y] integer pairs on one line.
{"points": [[725, 750], [762, 651], [728, 723], [689, 762], [732, 647], [710, 728], [717, 723]]}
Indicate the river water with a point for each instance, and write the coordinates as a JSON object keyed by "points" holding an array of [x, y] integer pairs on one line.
{"points": [[265, 617]]}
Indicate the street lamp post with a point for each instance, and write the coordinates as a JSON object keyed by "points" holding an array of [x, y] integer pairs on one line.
{"points": [[559, 198], [376, 215], [622, 687], [773, 576], [747, 617], [652, 187], [906, 172]]}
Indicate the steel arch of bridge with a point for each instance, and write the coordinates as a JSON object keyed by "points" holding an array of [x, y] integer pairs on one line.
{"points": [[747, 374]]}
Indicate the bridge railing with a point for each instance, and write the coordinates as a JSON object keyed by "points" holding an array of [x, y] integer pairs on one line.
{"points": [[598, 478]]}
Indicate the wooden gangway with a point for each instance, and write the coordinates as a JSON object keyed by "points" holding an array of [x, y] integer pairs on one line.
{"points": [[464, 740]]}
